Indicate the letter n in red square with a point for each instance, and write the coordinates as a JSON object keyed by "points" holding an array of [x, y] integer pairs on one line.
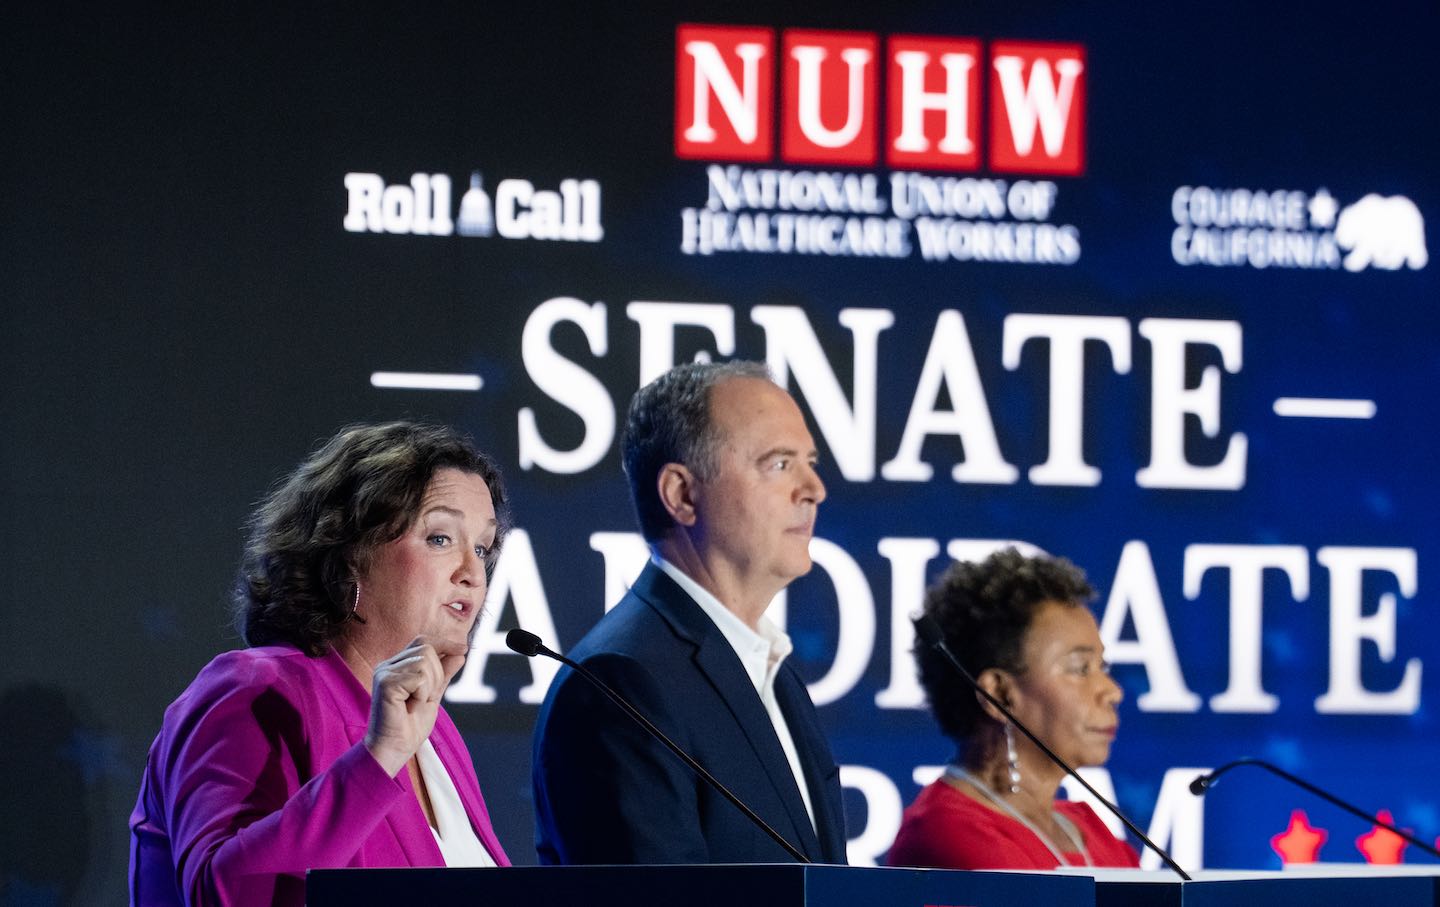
{"points": [[724, 93]]}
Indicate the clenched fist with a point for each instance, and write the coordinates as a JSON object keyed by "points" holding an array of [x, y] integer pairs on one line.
{"points": [[405, 697]]}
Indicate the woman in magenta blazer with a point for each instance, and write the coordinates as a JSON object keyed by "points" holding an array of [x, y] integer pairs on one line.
{"points": [[324, 744]]}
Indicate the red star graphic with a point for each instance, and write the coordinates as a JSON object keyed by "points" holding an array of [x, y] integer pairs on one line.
{"points": [[1299, 843], [1381, 845]]}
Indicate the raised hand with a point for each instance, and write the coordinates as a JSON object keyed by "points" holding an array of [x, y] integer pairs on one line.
{"points": [[405, 697]]}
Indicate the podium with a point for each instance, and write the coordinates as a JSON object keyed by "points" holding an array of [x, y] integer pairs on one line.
{"points": [[1329, 887], [792, 885], [767, 885]]}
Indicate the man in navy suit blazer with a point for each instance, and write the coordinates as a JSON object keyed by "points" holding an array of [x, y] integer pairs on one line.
{"points": [[722, 473]]}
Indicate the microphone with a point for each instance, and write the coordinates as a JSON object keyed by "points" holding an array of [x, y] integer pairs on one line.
{"points": [[529, 645], [928, 629], [1203, 783]]}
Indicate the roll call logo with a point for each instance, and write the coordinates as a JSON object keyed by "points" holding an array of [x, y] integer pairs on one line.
{"points": [[423, 206], [826, 112]]}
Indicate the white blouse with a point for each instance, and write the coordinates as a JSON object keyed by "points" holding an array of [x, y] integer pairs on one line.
{"points": [[458, 844]]}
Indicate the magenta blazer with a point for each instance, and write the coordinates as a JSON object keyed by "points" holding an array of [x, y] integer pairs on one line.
{"points": [[259, 773]]}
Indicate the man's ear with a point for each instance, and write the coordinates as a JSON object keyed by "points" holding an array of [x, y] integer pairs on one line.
{"points": [[677, 487]]}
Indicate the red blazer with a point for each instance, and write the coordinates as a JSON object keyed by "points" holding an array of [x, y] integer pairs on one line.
{"points": [[946, 829], [259, 774]]}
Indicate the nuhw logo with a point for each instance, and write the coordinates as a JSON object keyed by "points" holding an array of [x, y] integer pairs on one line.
{"points": [[829, 100]]}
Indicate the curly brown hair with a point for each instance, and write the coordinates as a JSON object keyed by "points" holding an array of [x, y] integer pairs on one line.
{"points": [[984, 610], [318, 527]]}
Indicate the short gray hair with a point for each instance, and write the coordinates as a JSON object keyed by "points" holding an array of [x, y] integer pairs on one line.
{"points": [[669, 422]]}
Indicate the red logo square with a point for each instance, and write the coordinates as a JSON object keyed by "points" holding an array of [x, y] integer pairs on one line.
{"points": [[1037, 107], [934, 103], [724, 93], [830, 81]]}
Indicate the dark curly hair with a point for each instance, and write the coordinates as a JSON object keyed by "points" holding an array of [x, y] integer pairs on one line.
{"points": [[318, 527], [984, 610], [669, 422]]}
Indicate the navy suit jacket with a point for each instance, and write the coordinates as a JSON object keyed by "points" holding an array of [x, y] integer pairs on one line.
{"points": [[606, 792]]}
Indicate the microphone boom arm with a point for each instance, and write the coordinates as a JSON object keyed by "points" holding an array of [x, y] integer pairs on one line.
{"points": [[1203, 783]]}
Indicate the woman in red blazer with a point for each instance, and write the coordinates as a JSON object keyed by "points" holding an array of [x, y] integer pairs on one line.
{"points": [[1020, 626], [324, 744]]}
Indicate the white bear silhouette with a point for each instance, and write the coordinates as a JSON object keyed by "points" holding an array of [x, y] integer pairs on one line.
{"points": [[1384, 232]]}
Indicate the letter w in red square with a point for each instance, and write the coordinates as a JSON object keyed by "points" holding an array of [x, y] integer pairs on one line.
{"points": [[829, 108], [934, 103], [1037, 108], [724, 93]]}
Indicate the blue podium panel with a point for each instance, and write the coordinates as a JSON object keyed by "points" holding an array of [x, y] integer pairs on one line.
{"points": [[695, 886], [1311, 891]]}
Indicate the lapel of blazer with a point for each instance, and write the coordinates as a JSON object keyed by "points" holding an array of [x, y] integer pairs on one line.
{"points": [[717, 661], [451, 750], [817, 761], [406, 822]]}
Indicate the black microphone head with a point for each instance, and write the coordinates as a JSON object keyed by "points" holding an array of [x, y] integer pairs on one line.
{"points": [[524, 642], [928, 629], [1200, 784]]}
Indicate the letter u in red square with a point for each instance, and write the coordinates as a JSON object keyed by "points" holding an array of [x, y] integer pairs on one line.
{"points": [[829, 107]]}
